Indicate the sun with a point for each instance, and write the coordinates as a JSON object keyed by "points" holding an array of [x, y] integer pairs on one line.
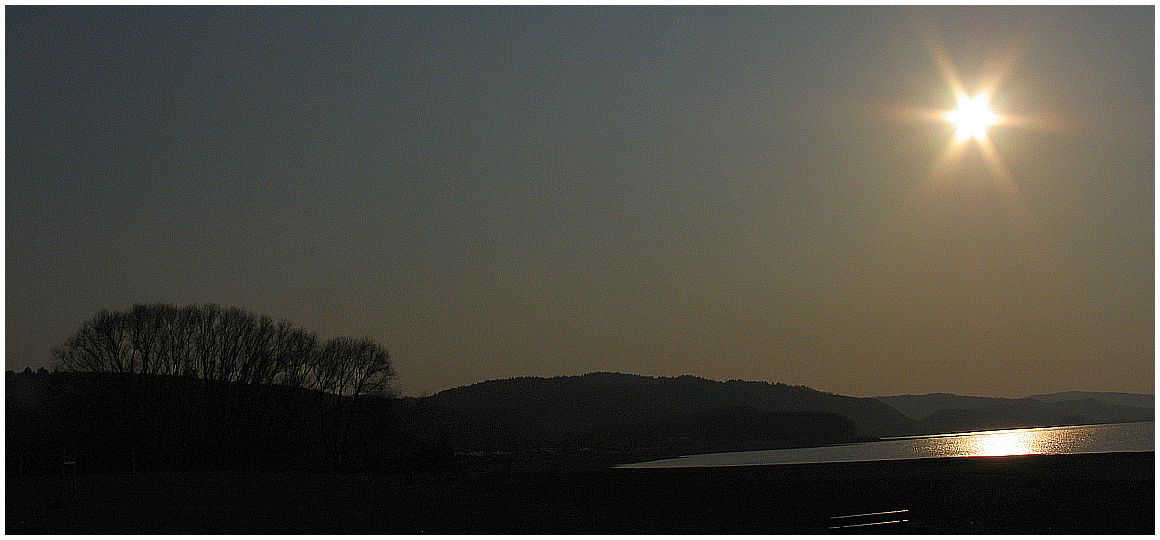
{"points": [[972, 118]]}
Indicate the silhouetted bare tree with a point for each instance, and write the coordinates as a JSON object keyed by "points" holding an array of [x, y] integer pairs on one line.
{"points": [[348, 370]]}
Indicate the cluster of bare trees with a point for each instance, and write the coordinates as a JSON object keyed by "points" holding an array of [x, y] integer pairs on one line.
{"points": [[230, 375], [228, 345]]}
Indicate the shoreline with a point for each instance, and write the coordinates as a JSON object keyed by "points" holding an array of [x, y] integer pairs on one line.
{"points": [[643, 464]]}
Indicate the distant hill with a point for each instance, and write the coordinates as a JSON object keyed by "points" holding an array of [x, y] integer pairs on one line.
{"points": [[940, 413], [1146, 401], [920, 407], [623, 411], [611, 408]]}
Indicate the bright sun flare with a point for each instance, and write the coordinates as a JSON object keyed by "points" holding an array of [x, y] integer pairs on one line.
{"points": [[972, 118]]}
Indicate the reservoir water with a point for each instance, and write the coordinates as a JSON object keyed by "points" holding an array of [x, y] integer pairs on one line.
{"points": [[1098, 438]]}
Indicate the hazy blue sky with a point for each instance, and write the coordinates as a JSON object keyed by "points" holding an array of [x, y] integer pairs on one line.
{"points": [[494, 192]]}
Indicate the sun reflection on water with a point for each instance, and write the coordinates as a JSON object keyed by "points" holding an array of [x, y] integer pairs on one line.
{"points": [[1004, 444], [993, 443]]}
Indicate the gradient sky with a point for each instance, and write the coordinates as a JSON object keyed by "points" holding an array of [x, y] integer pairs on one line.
{"points": [[496, 192]]}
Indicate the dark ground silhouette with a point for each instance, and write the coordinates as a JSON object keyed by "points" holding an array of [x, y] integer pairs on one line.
{"points": [[1096, 493]]}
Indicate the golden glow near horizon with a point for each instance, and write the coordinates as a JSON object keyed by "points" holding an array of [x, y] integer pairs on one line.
{"points": [[972, 118]]}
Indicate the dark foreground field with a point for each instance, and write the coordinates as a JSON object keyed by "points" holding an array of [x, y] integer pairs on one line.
{"points": [[1106, 493]]}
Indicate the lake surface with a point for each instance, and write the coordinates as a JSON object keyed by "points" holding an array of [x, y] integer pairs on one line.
{"points": [[1131, 437]]}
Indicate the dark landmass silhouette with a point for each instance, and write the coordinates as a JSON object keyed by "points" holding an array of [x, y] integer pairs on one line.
{"points": [[945, 413], [1145, 401], [152, 422], [614, 410]]}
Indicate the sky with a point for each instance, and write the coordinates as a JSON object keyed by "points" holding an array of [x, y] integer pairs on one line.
{"points": [[490, 192]]}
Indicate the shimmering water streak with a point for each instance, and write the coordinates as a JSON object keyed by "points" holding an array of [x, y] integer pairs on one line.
{"points": [[1131, 437]]}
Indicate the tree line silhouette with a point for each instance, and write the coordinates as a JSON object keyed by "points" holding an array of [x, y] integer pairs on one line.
{"points": [[206, 385], [227, 345]]}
